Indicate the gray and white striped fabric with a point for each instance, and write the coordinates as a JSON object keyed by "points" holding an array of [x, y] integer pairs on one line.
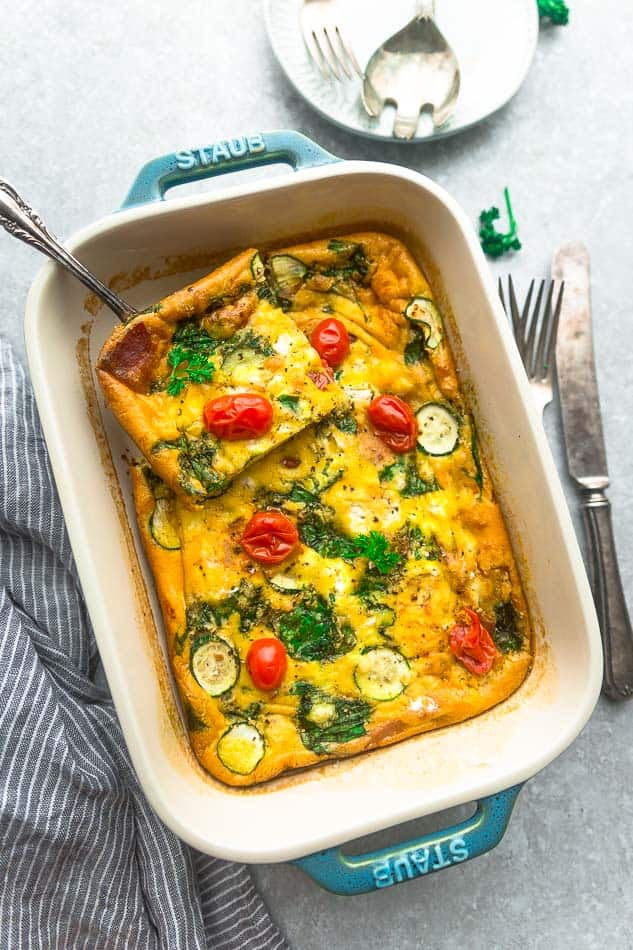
{"points": [[84, 861]]}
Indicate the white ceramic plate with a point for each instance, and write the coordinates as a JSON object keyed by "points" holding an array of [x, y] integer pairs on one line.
{"points": [[324, 806], [494, 41]]}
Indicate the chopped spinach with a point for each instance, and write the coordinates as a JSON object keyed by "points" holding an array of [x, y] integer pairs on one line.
{"points": [[415, 350], [353, 264], [191, 334], [310, 630], [195, 458], [249, 602], [200, 616], [232, 711], [414, 483], [345, 421], [347, 722], [341, 247], [289, 402], [410, 541], [244, 340], [474, 448], [302, 493], [193, 720], [506, 633]]}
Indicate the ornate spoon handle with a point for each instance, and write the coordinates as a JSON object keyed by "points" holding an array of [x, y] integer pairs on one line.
{"points": [[23, 223]]}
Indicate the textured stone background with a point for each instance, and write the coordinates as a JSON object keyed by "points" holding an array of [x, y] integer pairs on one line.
{"points": [[91, 90]]}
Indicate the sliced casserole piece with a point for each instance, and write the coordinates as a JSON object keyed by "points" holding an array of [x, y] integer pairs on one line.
{"points": [[213, 377]]}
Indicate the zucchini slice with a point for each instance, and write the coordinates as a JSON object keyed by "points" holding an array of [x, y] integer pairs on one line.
{"points": [[162, 525], [215, 664], [382, 674], [289, 273], [423, 311], [286, 584], [241, 748], [257, 267], [438, 429]]}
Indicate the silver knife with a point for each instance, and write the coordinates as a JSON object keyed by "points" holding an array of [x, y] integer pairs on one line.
{"points": [[587, 463]]}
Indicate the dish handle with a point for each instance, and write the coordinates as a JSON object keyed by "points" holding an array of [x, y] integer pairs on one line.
{"points": [[227, 155], [438, 851]]}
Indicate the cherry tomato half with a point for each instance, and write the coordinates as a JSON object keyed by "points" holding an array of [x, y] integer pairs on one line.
{"points": [[269, 537], [473, 646], [331, 341], [242, 416], [394, 422], [267, 663]]}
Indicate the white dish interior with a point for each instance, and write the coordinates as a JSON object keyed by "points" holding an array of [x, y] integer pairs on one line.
{"points": [[337, 802]]}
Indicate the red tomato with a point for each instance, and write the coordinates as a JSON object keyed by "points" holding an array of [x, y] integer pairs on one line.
{"points": [[331, 341], [394, 422], [322, 378], [267, 663], [269, 537], [243, 416], [473, 646]]}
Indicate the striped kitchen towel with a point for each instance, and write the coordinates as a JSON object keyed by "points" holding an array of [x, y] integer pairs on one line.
{"points": [[84, 861]]}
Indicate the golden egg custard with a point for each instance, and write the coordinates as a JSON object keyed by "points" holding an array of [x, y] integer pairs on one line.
{"points": [[355, 585], [222, 336]]}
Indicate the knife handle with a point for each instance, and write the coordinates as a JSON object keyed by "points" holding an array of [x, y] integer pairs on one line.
{"points": [[615, 625]]}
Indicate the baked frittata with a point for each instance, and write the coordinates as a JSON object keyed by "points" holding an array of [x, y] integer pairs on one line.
{"points": [[355, 585], [212, 363]]}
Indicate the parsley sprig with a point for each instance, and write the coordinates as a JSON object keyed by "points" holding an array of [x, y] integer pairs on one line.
{"points": [[187, 366], [493, 242], [556, 10]]}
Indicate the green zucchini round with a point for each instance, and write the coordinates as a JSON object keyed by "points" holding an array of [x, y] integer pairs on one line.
{"points": [[438, 429], [215, 664], [382, 674], [162, 526], [241, 748], [424, 313]]}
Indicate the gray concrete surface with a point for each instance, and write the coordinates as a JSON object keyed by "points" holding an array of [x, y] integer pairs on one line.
{"points": [[91, 90]]}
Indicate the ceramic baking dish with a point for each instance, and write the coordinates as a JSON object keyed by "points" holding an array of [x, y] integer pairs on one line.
{"points": [[153, 247]]}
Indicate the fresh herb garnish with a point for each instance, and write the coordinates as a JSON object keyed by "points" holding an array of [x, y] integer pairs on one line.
{"points": [[310, 630], [289, 402], [506, 633], [187, 366], [320, 534], [556, 10], [493, 242], [346, 721]]}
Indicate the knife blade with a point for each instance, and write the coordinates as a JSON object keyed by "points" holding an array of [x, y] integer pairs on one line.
{"points": [[587, 463], [576, 369]]}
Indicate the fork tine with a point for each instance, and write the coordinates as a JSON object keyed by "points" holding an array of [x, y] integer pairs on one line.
{"points": [[514, 315], [338, 55], [523, 319], [349, 51], [502, 296], [530, 350], [312, 45], [540, 364], [551, 346]]}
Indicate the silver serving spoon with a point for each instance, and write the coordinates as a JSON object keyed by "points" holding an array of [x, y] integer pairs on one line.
{"points": [[23, 223], [414, 69]]}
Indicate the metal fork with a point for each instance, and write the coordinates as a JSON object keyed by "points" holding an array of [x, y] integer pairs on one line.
{"points": [[325, 41], [535, 328]]}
